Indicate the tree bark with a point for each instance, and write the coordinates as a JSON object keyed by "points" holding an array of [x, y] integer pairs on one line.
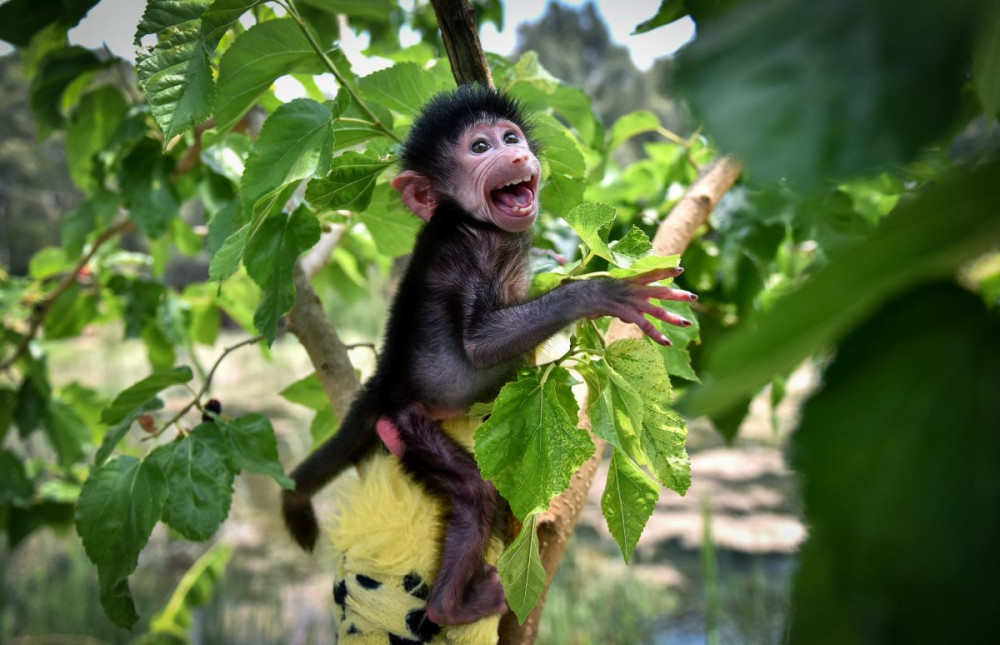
{"points": [[556, 525], [457, 21]]}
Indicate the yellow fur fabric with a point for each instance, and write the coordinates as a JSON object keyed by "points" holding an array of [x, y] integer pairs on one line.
{"points": [[387, 537]]}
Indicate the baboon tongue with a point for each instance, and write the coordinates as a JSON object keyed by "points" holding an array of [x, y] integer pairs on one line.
{"points": [[513, 197]]}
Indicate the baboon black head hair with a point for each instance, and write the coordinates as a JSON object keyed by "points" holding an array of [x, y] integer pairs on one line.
{"points": [[446, 117]]}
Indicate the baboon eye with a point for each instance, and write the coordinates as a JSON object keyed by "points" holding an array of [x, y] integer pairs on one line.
{"points": [[479, 147]]}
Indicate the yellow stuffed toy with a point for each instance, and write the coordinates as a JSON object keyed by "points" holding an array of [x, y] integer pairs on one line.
{"points": [[387, 537]]}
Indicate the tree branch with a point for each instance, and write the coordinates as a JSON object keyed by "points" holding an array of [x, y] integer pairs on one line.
{"points": [[556, 525], [457, 21], [42, 308]]}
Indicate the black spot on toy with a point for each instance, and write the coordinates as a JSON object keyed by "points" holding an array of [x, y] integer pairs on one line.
{"points": [[368, 583]]}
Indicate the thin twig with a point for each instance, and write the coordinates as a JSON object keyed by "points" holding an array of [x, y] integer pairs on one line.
{"points": [[196, 400], [341, 79], [43, 308]]}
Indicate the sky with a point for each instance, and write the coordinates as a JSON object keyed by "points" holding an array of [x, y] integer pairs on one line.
{"points": [[114, 21]]}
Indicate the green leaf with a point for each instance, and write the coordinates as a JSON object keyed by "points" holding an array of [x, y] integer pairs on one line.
{"points": [[47, 262], [352, 125], [986, 62], [177, 80], [799, 70], [350, 182], [8, 403], [635, 245], [140, 393], [119, 505], [530, 446], [20, 20], [930, 235], [592, 222], [200, 482], [15, 487], [118, 431], [404, 87], [148, 189], [307, 391], [270, 261], [195, 589], [65, 431], [669, 11], [392, 226], [630, 125], [91, 127], [253, 447], [898, 454], [521, 570], [258, 57], [55, 74], [628, 501]]}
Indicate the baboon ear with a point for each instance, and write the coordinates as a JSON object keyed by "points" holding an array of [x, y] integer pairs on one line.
{"points": [[418, 193]]}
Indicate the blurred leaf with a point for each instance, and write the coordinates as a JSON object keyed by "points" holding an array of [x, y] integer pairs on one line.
{"points": [[120, 503], [22, 19], [259, 56], [15, 487], [91, 127], [928, 236], [253, 447], [199, 480], [47, 262], [65, 431], [630, 125], [521, 570], [350, 182], [898, 453], [270, 261], [669, 11], [195, 589], [986, 61], [628, 501], [148, 189], [530, 446], [55, 74], [798, 70], [141, 392]]}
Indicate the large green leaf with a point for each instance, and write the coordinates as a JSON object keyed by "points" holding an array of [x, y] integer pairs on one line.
{"points": [[404, 87], [256, 59], [776, 81], [22, 19], [927, 236], [143, 391], [350, 182], [120, 503], [898, 454], [270, 261], [530, 446], [200, 481], [628, 501], [521, 570], [55, 73]]}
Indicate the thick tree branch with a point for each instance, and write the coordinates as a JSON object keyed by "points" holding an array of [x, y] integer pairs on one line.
{"points": [[556, 526], [457, 21]]}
